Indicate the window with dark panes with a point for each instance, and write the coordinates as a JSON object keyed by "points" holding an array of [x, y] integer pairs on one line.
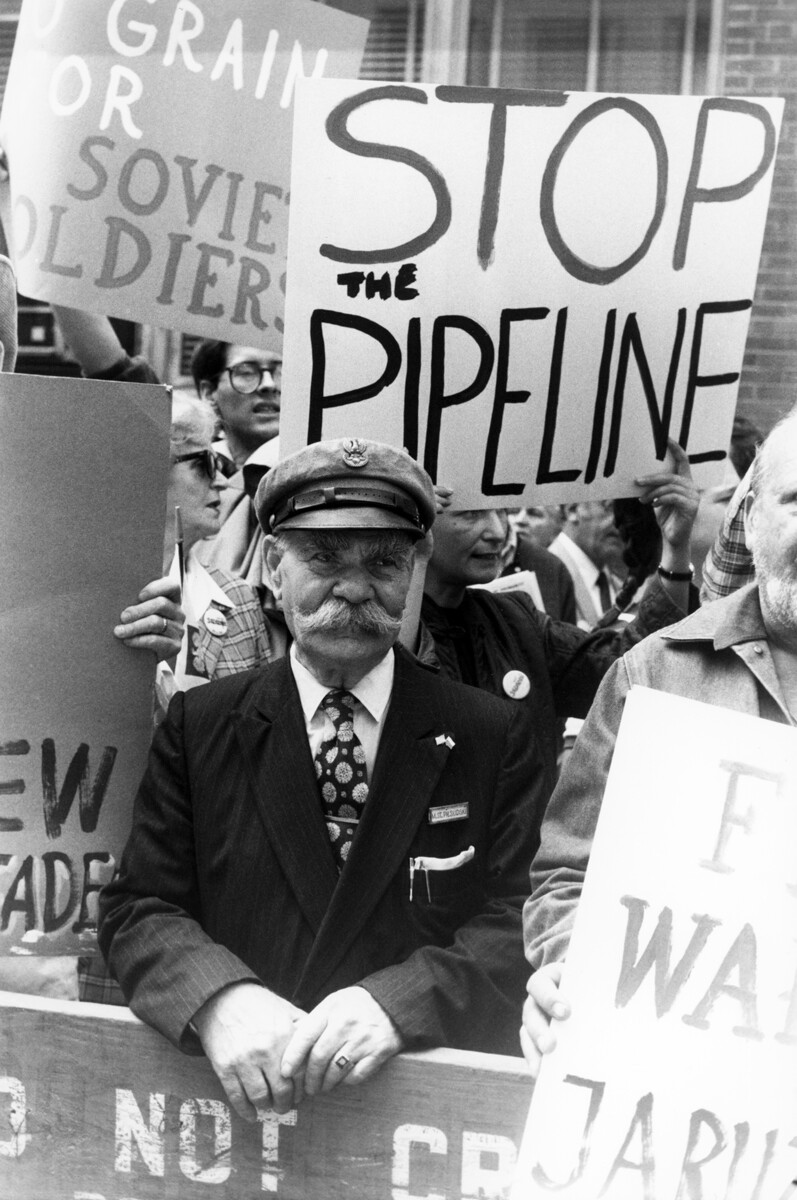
{"points": [[394, 47], [651, 46]]}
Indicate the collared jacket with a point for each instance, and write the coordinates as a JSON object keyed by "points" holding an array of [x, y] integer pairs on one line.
{"points": [[720, 655], [228, 874], [562, 664]]}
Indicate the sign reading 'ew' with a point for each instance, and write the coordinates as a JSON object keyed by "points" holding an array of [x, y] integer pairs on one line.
{"points": [[83, 468], [149, 148], [675, 1076], [528, 290]]}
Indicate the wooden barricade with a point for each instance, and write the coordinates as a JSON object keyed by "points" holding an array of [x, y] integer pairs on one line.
{"points": [[95, 1105]]}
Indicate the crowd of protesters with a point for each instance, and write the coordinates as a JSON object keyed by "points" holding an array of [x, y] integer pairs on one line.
{"points": [[346, 834]]}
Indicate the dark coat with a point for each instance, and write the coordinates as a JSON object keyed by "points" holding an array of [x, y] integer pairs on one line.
{"points": [[553, 578], [563, 664], [228, 874]]}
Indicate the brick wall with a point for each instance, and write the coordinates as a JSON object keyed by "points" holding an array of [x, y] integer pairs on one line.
{"points": [[761, 60]]}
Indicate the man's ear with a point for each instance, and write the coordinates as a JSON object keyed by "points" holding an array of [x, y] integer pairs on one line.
{"points": [[272, 558], [207, 391], [750, 515]]}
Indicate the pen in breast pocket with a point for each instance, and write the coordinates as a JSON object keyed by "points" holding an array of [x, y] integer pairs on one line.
{"points": [[427, 863]]}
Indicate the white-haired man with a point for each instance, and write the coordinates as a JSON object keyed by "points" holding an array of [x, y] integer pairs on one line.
{"points": [[738, 653]]}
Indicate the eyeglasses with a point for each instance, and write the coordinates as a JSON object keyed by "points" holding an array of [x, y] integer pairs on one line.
{"points": [[210, 462], [247, 377]]}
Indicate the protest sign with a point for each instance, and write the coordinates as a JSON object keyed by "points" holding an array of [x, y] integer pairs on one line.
{"points": [[527, 290], [674, 1077], [149, 147], [136, 1118], [82, 499]]}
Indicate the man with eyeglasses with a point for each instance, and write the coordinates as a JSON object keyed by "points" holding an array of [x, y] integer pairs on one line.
{"points": [[243, 385]]}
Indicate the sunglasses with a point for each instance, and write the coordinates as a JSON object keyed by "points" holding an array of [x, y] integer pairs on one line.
{"points": [[208, 460]]}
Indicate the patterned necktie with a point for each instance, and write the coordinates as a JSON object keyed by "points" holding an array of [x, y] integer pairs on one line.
{"points": [[341, 773]]}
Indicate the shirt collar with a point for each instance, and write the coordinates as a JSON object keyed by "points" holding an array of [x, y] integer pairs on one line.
{"points": [[373, 690], [584, 563], [726, 622]]}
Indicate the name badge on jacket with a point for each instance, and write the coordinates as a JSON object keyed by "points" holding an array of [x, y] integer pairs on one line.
{"points": [[448, 812]]}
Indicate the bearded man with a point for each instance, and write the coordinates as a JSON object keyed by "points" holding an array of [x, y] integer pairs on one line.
{"points": [[329, 854], [738, 653]]}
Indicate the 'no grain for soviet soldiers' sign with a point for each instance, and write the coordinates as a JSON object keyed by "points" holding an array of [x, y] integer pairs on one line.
{"points": [[528, 290], [149, 147]]}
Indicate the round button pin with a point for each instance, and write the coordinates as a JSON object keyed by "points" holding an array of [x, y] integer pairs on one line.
{"points": [[215, 622], [516, 685]]}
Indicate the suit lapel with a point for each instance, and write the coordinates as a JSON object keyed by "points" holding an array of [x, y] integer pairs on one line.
{"points": [[272, 740], [587, 609], [408, 767]]}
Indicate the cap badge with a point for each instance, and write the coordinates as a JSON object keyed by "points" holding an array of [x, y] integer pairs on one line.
{"points": [[355, 453]]}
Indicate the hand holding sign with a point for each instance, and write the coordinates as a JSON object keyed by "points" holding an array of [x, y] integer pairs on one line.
{"points": [[156, 622], [544, 1004], [674, 497]]}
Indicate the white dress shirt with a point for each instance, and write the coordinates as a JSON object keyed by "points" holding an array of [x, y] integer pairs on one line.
{"points": [[590, 573], [372, 694]]}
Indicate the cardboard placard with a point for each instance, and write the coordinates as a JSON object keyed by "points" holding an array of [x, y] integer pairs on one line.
{"points": [[527, 290], [136, 1118], [83, 468], [674, 1076], [149, 147]]}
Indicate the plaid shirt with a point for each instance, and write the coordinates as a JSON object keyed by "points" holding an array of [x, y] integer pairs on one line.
{"points": [[728, 564], [95, 982], [246, 644]]}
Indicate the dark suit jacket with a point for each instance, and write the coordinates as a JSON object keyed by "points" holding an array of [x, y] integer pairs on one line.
{"points": [[554, 579], [228, 874]]}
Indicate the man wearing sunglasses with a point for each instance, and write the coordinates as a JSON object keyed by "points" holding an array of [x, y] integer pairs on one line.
{"points": [[242, 383]]}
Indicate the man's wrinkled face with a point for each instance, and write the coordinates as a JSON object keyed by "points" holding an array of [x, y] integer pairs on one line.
{"points": [[771, 528], [591, 526], [342, 592], [541, 523]]}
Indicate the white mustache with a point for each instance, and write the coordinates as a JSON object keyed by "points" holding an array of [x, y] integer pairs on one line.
{"points": [[367, 617]]}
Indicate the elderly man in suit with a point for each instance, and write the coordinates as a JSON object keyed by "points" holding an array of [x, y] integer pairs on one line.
{"points": [[591, 548], [329, 855]]}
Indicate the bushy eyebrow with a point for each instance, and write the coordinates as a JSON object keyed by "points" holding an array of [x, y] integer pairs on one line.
{"points": [[331, 541]]}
